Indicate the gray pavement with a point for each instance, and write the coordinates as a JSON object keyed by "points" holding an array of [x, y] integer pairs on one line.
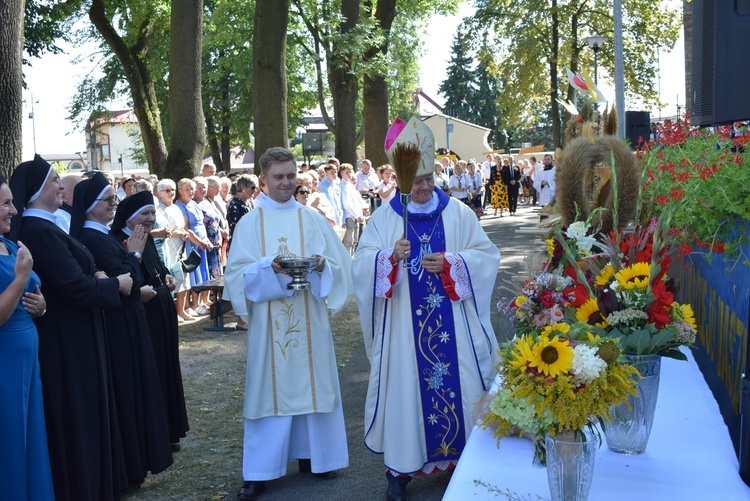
{"points": [[364, 480]]}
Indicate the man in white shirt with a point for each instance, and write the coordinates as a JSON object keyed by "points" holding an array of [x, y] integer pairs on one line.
{"points": [[536, 168], [367, 180], [545, 182], [354, 207]]}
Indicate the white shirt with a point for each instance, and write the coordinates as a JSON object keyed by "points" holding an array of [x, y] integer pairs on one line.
{"points": [[367, 182]]}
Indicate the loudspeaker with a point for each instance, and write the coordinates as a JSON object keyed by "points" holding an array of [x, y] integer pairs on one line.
{"points": [[721, 62], [312, 143], [637, 125]]}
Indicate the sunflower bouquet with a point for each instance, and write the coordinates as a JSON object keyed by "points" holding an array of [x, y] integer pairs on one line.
{"points": [[621, 288], [559, 378]]}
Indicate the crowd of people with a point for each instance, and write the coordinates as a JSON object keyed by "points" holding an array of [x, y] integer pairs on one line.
{"points": [[95, 285]]}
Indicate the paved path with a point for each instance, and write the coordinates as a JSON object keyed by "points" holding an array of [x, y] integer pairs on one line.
{"points": [[364, 480]]}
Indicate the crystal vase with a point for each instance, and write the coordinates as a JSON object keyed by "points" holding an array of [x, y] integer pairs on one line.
{"points": [[631, 421], [570, 464]]}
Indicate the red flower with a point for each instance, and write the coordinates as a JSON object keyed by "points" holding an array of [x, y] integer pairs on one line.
{"points": [[658, 314], [578, 295], [547, 299]]}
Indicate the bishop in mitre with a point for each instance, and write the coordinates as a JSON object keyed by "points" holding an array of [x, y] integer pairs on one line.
{"points": [[292, 407], [424, 305]]}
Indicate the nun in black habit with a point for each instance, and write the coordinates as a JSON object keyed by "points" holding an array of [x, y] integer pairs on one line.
{"points": [[82, 427], [138, 399], [160, 311]]}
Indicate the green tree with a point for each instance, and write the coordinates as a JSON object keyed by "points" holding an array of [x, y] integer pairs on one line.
{"points": [[537, 38], [227, 83], [459, 87], [131, 51]]}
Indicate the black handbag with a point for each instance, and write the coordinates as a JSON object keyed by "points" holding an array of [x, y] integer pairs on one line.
{"points": [[191, 262]]}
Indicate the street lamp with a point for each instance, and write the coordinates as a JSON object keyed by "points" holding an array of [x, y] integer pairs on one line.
{"points": [[595, 42]]}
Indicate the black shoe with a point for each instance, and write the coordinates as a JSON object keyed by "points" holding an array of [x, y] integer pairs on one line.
{"points": [[397, 488], [305, 467], [251, 489], [175, 447]]}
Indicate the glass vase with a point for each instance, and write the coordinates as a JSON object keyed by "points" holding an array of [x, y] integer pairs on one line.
{"points": [[570, 464], [630, 428]]}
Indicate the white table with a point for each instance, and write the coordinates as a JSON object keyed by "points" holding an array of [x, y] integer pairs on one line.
{"points": [[689, 456]]}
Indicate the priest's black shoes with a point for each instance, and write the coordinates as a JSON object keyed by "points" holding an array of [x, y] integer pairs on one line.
{"points": [[251, 489], [304, 467], [397, 488]]}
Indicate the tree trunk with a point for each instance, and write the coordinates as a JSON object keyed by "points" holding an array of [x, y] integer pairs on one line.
{"points": [[554, 85], [142, 91], [11, 83], [344, 89], [375, 91], [185, 104], [269, 76]]}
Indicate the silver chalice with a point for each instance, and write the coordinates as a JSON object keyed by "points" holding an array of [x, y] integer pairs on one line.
{"points": [[298, 267]]}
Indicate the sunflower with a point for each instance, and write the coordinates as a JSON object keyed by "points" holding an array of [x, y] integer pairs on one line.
{"points": [[556, 330], [552, 356], [589, 312], [687, 314], [604, 276], [523, 352], [635, 276]]}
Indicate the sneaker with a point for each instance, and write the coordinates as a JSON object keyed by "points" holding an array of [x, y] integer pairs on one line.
{"points": [[192, 312], [202, 310]]}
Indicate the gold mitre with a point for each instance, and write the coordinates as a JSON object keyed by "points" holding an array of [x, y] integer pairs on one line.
{"points": [[414, 132]]}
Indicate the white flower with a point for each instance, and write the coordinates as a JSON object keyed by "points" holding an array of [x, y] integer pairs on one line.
{"points": [[577, 231], [419, 312], [586, 364]]}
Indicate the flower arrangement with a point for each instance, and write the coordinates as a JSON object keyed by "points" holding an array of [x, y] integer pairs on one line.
{"points": [[558, 379], [621, 289], [703, 178]]}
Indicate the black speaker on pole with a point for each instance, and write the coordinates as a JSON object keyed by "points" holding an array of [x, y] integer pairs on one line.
{"points": [[637, 126], [312, 143], [721, 62]]}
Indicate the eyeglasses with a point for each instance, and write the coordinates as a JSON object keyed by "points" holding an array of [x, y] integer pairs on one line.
{"points": [[251, 187], [111, 200], [167, 190], [303, 192]]}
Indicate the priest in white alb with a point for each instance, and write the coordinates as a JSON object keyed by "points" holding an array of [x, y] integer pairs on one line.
{"points": [[544, 182], [292, 407], [424, 303]]}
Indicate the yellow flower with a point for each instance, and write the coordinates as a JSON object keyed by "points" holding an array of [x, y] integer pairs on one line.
{"points": [[523, 352], [635, 276], [520, 300], [556, 330], [550, 246], [552, 356], [605, 276], [589, 312], [687, 315]]}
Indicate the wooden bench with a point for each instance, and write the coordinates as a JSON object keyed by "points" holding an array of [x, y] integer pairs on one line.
{"points": [[215, 285]]}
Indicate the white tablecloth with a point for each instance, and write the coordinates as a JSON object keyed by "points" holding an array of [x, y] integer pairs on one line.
{"points": [[689, 456]]}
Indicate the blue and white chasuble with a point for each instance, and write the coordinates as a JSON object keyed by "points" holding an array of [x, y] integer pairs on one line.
{"points": [[432, 357]]}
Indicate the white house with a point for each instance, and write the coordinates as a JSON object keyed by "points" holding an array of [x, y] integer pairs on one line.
{"points": [[465, 139], [112, 136]]}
